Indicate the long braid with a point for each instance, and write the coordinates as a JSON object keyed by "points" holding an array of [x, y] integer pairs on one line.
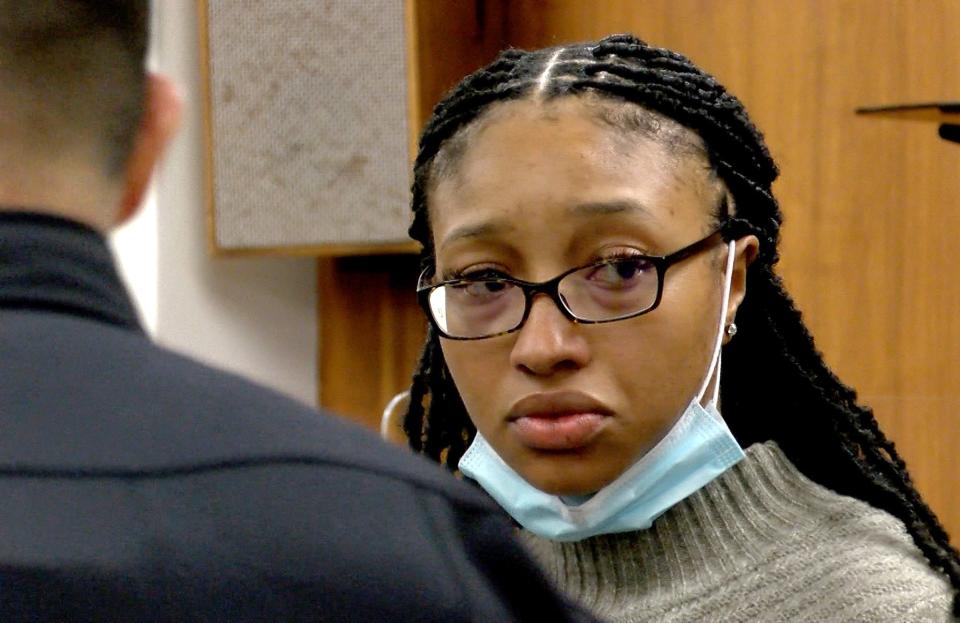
{"points": [[776, 384]]}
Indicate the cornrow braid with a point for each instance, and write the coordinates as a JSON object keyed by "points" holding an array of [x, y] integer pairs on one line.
{"points": [[791, 397]]}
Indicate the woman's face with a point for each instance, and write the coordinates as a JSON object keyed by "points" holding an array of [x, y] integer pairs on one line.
{"points": [[540, 188]]}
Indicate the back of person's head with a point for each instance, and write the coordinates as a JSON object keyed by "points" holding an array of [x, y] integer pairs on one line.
{"points": [[73, 77], [74, 99]]}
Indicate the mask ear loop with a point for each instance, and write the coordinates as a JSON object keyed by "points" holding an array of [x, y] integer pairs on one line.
{"points": [[724, 306]]}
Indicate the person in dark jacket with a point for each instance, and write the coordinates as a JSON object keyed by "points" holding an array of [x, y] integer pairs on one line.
{"points": [[138, 485]]}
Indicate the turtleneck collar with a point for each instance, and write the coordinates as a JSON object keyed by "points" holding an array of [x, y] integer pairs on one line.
{"points": [[732, 523], [52, 264], [761, 541]]}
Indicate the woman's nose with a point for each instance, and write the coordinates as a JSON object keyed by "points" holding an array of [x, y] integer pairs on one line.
{"points": [[548, 341]]}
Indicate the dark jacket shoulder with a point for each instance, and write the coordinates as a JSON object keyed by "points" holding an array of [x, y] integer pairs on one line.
{"points": [[105, 399]]}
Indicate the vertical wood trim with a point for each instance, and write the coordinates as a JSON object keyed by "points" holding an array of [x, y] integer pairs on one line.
{"points": [[413, 76], [206, 97], [323, 267]]}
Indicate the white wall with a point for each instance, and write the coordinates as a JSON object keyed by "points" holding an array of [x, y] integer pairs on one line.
{"points": [[135, 245], [255, 316]]}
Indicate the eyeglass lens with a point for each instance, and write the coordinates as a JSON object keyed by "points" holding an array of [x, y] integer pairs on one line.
{"points": [[600, 292]]}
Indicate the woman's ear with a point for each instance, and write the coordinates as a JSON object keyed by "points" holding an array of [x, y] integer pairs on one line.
{"points": [[745, 251], [161, 119]]}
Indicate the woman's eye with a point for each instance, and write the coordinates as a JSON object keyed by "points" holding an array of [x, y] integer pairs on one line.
{"points": [[621, 272], [474, 292], [485, 288]]}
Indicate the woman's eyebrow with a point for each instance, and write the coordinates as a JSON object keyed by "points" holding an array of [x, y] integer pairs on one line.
{"points": [[476, 230], [603, 208], [587, 209]]}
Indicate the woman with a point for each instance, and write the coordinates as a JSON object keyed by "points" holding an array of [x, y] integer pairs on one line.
{"points": [[596, 221]]}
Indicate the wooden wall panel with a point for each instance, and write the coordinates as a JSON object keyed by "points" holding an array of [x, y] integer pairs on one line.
{"points": [[371, 331], [872, 205], [452, 40]]}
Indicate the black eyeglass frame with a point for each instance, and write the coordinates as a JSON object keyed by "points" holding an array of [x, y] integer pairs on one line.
{"points": [[551, 287]]}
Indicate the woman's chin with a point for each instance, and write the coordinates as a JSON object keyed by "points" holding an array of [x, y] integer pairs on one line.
{"points": [[569, 487]]}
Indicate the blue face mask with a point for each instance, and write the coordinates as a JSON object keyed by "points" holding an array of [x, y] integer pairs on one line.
{"points": [[698, 448]]}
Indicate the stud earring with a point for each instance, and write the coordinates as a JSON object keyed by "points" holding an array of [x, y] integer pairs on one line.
{"points": [[732, 329]]}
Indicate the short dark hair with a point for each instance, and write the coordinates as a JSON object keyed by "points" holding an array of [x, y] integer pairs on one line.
{"points": [[72, 73]]}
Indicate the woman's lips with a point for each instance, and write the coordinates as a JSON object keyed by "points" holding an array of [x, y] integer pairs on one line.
{"points": [[567, 431], [564, 420]]}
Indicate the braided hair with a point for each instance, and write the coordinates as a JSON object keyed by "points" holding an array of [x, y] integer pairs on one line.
{"points": [[776, 385]]}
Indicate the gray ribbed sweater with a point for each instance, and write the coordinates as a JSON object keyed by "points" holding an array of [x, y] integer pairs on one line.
{"points": [[760, 543]]}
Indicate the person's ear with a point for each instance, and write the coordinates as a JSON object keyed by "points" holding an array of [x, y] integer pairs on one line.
{"points": [[745, 252], [161, 119]]}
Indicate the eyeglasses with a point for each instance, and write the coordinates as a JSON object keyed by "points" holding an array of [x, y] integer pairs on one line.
{"points": [[604, 291]]}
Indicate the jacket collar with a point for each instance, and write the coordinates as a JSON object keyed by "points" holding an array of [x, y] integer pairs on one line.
{"points": [[53, 264]]}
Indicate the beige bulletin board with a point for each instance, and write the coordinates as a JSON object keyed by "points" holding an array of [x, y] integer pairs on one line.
{"points": [[306, 125]]}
